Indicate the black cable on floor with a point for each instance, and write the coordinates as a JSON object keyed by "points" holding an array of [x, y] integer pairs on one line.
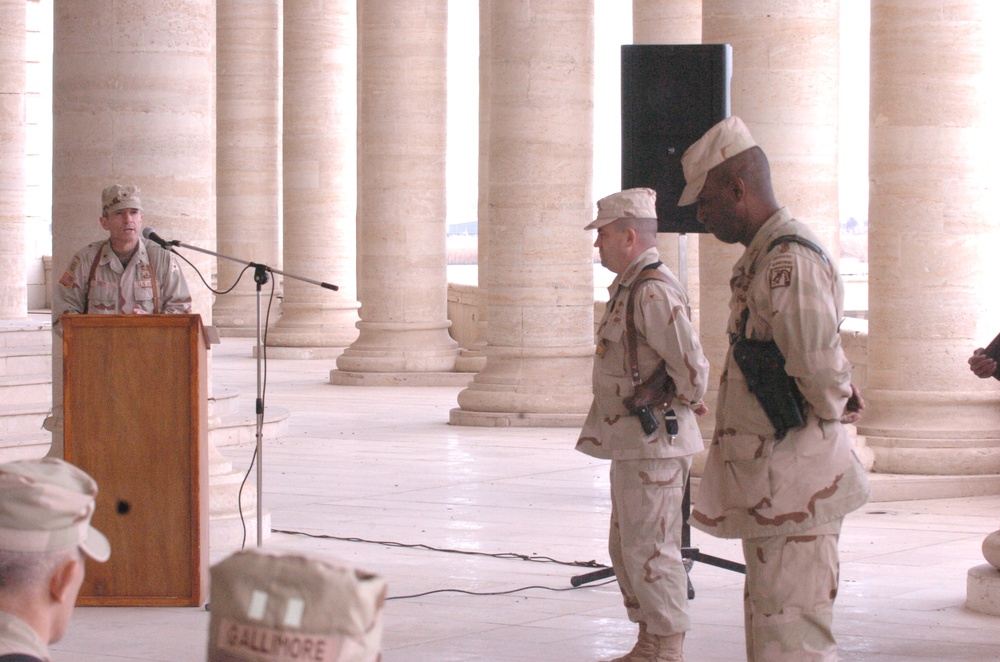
{"points": [[501, 555], [513, 590]]}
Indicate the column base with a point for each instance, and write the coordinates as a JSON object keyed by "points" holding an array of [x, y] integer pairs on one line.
{"points": [[982, 590], [329, 353], [896, 487], [401, 348], [305, 325], [931, 433], [488, 419], [353, 378]]}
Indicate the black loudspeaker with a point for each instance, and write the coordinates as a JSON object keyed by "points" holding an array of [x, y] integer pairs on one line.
{"points": [[671, 95]]}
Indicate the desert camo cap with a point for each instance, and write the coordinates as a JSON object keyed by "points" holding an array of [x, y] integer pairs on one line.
{"points": [[630, 203], [723, 141], [46, 506], [315, 603], [117, 197]]}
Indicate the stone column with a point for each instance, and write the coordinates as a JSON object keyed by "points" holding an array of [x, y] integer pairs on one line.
{"points": [[13, 284], [785, 87], [320, 178], [933, 234], [134, 102], [673, 22], [540, 296], [249, 158], [401, 212]]}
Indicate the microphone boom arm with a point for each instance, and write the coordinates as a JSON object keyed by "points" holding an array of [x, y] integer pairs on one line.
{"points": [[329, 286]]}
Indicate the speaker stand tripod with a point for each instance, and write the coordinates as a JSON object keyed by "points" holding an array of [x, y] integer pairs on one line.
{"points": [[688, 553]]}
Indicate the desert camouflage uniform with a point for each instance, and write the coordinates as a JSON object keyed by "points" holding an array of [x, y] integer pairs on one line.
{"points": [[785, 499], [648, 472], [16, 636], [118, 290]]}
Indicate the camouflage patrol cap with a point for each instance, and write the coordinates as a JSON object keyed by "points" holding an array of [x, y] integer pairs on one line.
{"points": [[720, 143], [117, 197], [630, 203], [271, 605], [46, 506]]}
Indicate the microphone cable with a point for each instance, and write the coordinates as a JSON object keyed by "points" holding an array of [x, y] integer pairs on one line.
{"points": [[498, 555]]}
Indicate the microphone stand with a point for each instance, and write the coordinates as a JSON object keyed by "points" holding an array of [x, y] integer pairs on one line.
{"points": [[260, 276]]}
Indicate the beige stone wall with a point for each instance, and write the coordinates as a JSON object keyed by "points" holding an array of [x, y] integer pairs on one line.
{"points": [[136, 105], [319, 183], [38, 149], [13, 293], [401, 188], [249, 157], [539, 334]]}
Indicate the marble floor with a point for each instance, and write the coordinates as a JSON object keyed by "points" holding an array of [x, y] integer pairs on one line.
{"points": [[401, 493]]}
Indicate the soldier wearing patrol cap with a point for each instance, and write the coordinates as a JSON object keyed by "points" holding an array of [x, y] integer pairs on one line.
{"points": [[649, 378], [784, 492], [45, 511], [125, 273]]}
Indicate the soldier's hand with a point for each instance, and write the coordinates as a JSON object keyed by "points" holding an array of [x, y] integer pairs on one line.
{"points": [[853, 408], [981, 365]]}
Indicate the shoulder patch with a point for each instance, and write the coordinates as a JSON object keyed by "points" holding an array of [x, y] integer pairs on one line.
{"points": [[779, 273]]}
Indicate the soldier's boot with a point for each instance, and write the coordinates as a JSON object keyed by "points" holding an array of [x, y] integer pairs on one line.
{"points": [[655, 648]]}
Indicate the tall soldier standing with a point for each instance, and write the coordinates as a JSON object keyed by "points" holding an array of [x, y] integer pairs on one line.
{"points": [[781, 472]]}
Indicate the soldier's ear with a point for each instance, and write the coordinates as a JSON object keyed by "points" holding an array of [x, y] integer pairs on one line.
{"points": [[738, 187], [62, 581]]}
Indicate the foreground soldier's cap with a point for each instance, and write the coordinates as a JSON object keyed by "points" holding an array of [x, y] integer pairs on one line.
{"points": [[630, 203], [723, 141], [46, 506], [117, 197], [316, 608]]}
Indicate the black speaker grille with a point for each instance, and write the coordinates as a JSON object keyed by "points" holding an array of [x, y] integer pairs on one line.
{"points": [[670, 96]]}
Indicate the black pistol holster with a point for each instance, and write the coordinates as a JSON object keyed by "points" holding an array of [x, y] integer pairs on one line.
{"points": [[763, 367]]}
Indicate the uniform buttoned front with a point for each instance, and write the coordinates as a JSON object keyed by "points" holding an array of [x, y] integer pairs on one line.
{"points": [[665, 333], [795, 298]]}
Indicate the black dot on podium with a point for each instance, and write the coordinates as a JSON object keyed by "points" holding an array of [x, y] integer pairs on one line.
{"points": [[124, 507]]}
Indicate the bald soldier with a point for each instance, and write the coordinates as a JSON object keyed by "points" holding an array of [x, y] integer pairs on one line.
{"points": [[45, 511], [649, 377], [781, 471]]}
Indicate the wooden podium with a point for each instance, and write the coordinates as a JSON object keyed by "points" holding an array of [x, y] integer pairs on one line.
{"points": [[135, 413]]}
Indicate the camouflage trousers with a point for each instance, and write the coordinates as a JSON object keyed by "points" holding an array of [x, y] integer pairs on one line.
{"points": [[791, 584], [645, 541]]}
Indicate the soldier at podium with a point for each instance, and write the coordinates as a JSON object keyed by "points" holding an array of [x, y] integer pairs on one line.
{"points": [[45, 511], [125, 273]]}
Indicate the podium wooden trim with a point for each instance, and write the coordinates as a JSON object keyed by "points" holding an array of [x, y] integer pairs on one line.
{"points": [[135, 418]]}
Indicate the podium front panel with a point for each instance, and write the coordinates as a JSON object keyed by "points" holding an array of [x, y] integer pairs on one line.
{"points": [[134, 391]]}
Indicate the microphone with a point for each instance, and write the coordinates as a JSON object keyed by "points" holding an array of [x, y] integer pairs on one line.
{"points": [[149, 233]]}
